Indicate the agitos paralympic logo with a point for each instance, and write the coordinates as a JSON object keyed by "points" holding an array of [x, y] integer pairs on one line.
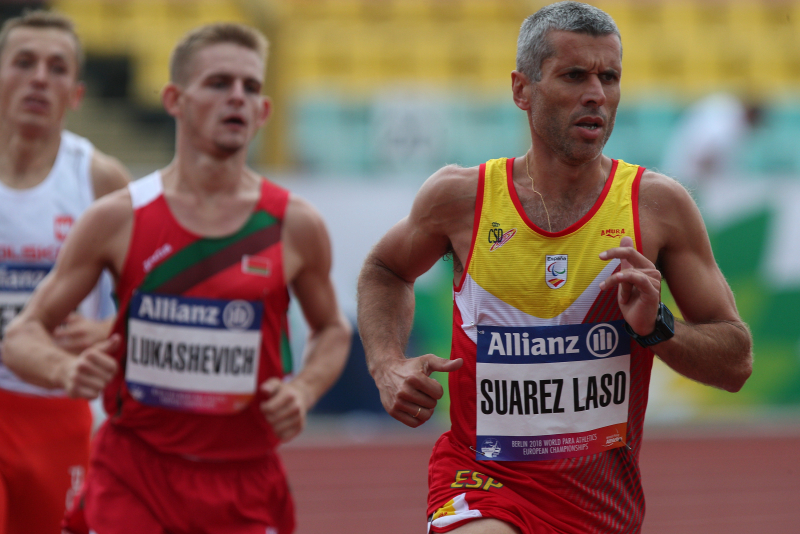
{"points": [[555, 270], [498, 238]]}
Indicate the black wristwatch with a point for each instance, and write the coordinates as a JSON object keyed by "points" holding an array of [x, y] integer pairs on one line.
{"points": [[665, 328]]}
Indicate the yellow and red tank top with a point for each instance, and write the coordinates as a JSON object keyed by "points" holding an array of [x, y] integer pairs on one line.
{"points": [[204, 323], [551, 382]]}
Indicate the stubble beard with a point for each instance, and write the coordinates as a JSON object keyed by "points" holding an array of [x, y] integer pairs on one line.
{"points": [[557, 138]]}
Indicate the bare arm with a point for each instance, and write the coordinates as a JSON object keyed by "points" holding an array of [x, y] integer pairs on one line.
{"points": [[308, 264], [713, 345], [98, 241], [441, 214]]}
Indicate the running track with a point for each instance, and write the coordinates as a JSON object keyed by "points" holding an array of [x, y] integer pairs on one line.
{"points": [[735, 480]]}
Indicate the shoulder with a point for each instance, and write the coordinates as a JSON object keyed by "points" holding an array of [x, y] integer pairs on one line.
{"points": [[668, 214], [659, 192], [451, 182], [108, 174], [449, 194], [303, 224]]}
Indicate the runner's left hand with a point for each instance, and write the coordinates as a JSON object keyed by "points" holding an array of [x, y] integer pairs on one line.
{"points": [[285, 408], [638, 285], [78, 333]]}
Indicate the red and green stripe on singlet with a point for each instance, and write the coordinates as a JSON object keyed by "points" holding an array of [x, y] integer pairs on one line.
{"points": [[206, 257]]}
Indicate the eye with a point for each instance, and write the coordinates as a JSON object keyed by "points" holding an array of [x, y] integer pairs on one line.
{"points": [[23, 62], [252, 87], [217, 82], [58, 68]]}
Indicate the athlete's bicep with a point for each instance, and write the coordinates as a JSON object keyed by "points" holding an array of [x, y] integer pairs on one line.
{"points": [[442, 209], [688, 265], [408, 250]]}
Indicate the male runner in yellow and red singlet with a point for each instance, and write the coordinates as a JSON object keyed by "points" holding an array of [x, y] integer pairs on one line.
{"points": [[48, 178], [196, 376], [559, 256]]}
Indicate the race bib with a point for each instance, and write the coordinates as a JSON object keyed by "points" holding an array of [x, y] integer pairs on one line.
{"points": [[191, 354], [17, 282], [551, 392]]}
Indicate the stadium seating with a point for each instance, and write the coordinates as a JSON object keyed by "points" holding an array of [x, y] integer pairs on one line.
{"points": [[332, 57]]}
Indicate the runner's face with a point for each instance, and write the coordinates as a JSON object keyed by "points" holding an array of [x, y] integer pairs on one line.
{"points": [[575, 103], [38, 77], [221, 104]]}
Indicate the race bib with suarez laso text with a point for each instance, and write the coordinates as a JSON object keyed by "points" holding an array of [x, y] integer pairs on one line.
{"points": [[551, 392]]}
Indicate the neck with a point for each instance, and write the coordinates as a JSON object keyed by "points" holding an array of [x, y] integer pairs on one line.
{"points": [[205, 174], [26, 160], [557, 178], [555, 194]]}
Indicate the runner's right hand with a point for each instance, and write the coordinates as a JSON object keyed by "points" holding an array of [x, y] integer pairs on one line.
{"points": [[407, 392]]}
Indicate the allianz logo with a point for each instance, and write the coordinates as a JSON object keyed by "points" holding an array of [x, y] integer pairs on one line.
{"points": [[22, 279], [236, 315], [601, 341]]}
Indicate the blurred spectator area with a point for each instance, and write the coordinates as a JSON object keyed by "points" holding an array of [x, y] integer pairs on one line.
{"points": [[385, 86]]}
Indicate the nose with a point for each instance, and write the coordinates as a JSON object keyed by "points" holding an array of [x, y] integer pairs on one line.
{"points": [[40, 73], [594, 92], [237, 93]]}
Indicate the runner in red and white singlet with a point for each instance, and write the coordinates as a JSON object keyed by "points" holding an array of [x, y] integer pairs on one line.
{"points": [[48, 178]]}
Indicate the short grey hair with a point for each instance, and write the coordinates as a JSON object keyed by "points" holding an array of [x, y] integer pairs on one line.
{"points": [[533, 47]]}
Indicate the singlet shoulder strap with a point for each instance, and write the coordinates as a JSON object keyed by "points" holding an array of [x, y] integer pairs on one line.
{"points": [[145, 190]]}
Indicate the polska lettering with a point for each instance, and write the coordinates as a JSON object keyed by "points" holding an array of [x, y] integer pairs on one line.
{"points": [[192, 358], [526, 397], [170, 309]]}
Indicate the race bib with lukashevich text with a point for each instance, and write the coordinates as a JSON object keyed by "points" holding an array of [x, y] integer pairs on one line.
{"points": [[551, 392], [193, 354]]}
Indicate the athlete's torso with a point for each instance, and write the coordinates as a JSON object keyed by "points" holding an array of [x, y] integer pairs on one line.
{"points": [[552, 386], [33, 225], [205, 322]]}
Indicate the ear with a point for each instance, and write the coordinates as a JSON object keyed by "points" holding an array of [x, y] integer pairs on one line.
{"points": [[77, 95], [520, 90], [170, 95], [265, 112]]}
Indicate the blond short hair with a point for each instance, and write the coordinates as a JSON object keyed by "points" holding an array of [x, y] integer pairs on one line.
{"points": [[211, 34], [41, 19]]}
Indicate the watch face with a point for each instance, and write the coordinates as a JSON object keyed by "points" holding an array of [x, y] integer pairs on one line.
{"points": [[668, 318]]}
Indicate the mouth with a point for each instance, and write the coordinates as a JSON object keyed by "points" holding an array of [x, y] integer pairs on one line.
{"points": [[35, 103], [590, 123], [234, 120]]}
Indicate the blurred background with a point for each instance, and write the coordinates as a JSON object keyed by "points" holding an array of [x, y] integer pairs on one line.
{"points": [[372, 96]]}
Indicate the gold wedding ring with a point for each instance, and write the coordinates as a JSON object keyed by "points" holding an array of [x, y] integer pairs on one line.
{"points": [[418, 410]]}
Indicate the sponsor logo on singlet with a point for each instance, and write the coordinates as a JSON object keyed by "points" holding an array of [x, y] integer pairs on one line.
{"points": [[17, 282], [552, 391], [498, 238], [612, 232], [192, 354], [161, 252]]}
